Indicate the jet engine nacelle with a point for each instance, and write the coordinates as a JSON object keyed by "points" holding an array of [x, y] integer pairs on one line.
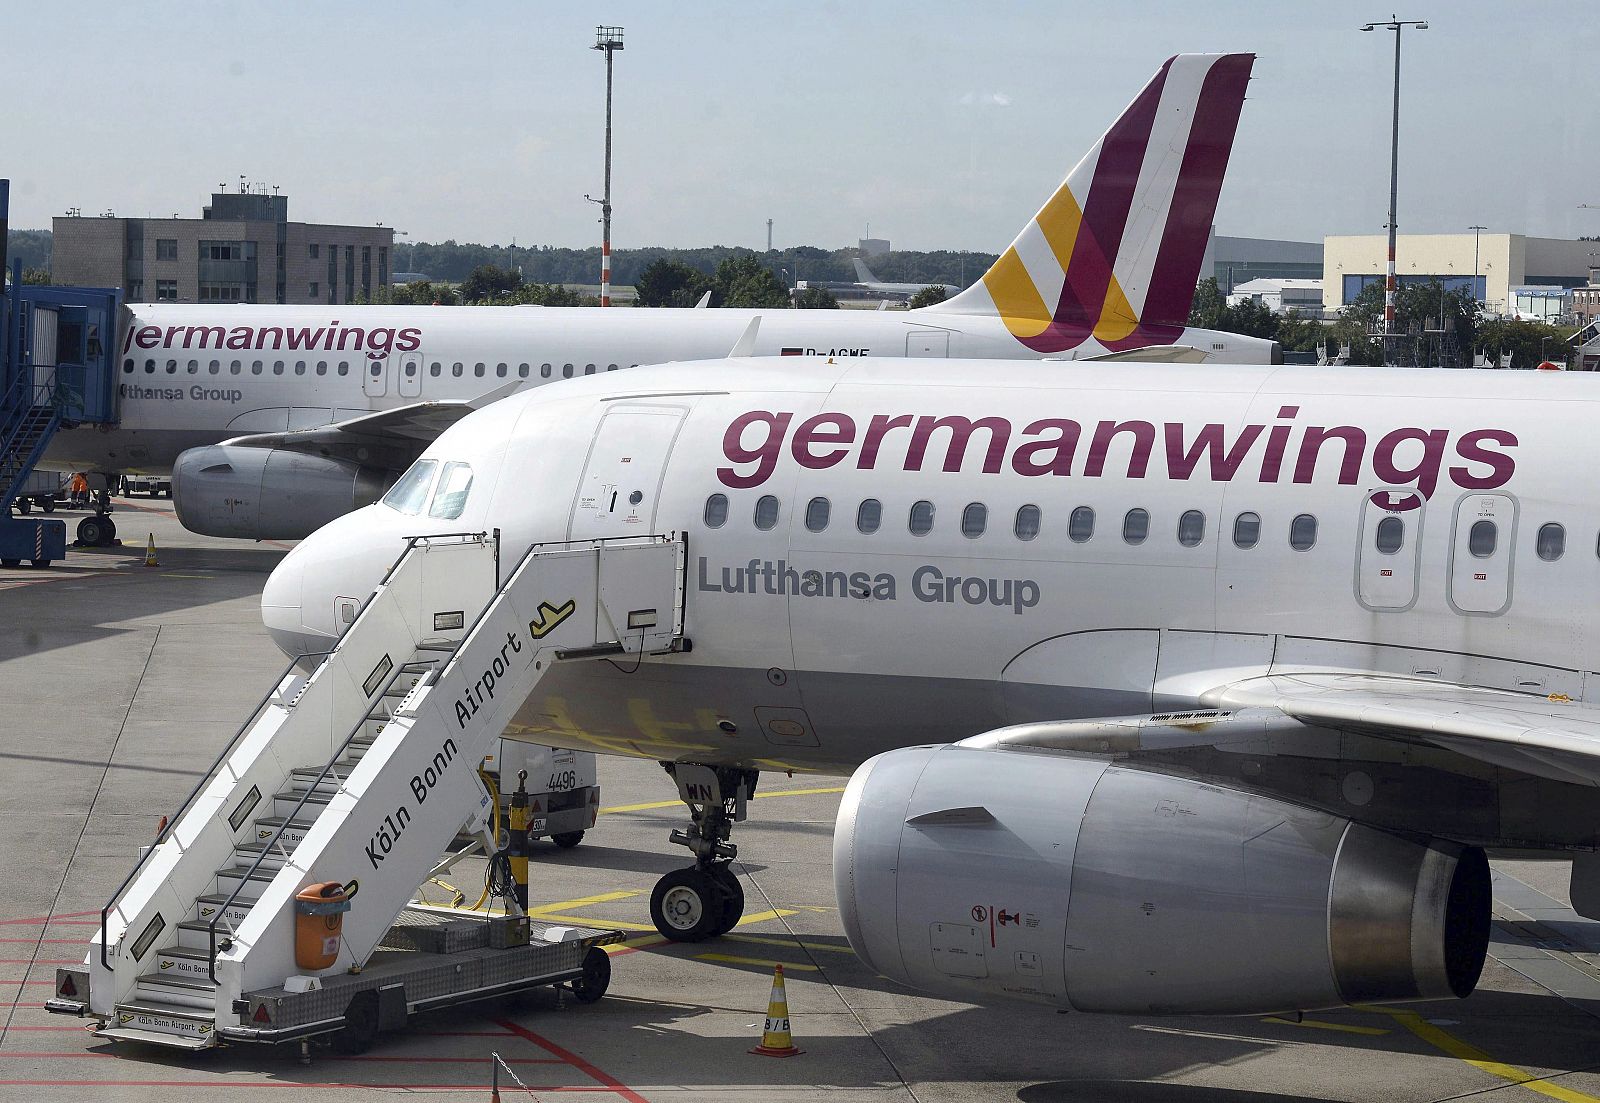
{"points": [[979, 873], [268, 493]]}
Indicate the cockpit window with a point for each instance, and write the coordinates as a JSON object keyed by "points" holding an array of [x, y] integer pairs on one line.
{"points": [[411, 491], [451, 497]]}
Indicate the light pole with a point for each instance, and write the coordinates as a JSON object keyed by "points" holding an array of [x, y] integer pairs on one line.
{"points": [[1395, 25], [607, 40], [1476, 230]]}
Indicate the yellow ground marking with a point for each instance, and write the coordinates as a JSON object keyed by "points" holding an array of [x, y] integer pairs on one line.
{"points": [[759, 796], [653, 938], [769, 941], [175, 574], [1315, 1025], [538, 910], [730, 959], [593, 921], [1448, 1043]]}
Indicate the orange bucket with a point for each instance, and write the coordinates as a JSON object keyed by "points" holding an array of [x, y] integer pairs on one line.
{"points": [[319, 923]]}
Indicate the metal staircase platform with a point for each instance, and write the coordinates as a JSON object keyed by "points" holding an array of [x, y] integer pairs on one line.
{"points": [[363, 773]]}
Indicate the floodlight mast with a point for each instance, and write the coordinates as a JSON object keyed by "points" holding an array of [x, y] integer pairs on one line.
{"points": [[608, 40], [1395, 25]]}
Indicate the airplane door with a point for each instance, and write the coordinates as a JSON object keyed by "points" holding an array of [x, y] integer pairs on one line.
{"points": [[410, 381], [621, 481], [375, 381], [1390, 544], [928, 342], [1481, 551]]}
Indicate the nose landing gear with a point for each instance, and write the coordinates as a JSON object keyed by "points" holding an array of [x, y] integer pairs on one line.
{"points": [[706, 899]]}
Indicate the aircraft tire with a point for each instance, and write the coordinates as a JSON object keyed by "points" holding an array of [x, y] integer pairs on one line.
{"points": [[686, 905], [566, 840], [732, 897]]}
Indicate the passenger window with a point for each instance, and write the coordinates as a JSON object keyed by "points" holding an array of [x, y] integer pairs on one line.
{"points": [[277, 368], [454, 486], [456, 369], [1191, 528], [1391, 535], [172, 367], [1136, 526], [974, 519], [435, 368], [127, 365], [1552, 542], [817, 514], [1246, 530], [869, 515], [921, 518], [716, 511], [766, 512], [216, 366], [1026, 526], [501, 369], [1481, 539], [411, 491], [611, 367], [588, 369], [300, 368], [1303, 532], [566, 371], [255, 367], [149, 367], [1080, 526], [234, 367], [522, 371], [477, 370], [544, 371], [194, 366], [322, 368], [344, 367]]}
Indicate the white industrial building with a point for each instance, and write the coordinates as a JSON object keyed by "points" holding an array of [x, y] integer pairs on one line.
{"points": [[1492, 266], [1278, 295]]}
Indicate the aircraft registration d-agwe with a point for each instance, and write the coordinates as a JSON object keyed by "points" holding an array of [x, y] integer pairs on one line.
{"points": [[322, 408], [1165, 688]]}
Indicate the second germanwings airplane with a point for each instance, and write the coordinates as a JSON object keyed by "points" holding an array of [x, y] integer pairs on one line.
{"points": [[323, 408], [1165, 688]]}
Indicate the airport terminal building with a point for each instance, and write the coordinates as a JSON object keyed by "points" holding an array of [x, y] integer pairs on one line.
{"points": [[1502, 270], [242, 249]]}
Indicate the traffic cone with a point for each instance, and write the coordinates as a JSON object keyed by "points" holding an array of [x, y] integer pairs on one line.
{"points": [[150, 552], [776, 1041]]}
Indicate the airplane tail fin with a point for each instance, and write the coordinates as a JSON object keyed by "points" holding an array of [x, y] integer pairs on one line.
{"points": [[863, 273], [1115, 253]]}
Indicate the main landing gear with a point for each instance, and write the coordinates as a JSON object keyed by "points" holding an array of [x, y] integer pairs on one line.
{"points": [[706, 899]]}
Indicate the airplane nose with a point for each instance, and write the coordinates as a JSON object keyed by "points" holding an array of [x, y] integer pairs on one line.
{"points": [[281, 609]]}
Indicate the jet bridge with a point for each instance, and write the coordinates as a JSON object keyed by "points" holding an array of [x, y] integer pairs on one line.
{"points": [[365, 771]]}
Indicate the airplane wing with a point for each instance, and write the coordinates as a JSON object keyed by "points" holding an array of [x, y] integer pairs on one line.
{"points": [[394, 436], [1150, 354], [1545, 736]]}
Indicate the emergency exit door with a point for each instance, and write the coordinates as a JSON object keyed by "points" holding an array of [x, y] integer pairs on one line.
{"points": [[617, 495], [410, 381], [374, 377], [1481, 552], [1390, 549], [928, 342]]}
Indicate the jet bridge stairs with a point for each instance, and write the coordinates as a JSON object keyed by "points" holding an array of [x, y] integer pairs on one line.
{"points": [[363, 771]]}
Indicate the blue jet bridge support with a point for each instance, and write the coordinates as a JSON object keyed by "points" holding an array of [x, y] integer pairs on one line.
{"points": [[57, 368]]}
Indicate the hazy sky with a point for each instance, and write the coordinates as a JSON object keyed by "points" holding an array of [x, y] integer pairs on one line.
{"points": [[944, 125]]}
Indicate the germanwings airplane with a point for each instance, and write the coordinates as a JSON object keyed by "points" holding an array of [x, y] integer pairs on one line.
{"points": [[322, 408], [1165, 688]]}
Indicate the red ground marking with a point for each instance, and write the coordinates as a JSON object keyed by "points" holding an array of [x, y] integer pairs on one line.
{"points": [[214, 1085], [41, 920], [36, 941], [38, 961], [52, 1054], [4, 1003], [574, 1060], [463, 1033], [82, 1029]]}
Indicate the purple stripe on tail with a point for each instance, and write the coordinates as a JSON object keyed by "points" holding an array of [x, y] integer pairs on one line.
{"points": [[1194, 201]]}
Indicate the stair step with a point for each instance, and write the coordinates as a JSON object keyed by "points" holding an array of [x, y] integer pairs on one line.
{"points": [[284, 802], [185, 961], [206, 907], [196, 935], [230, 877], [163, 1023], [274, 859], [293, 830], [302, 778], [191, 992]]}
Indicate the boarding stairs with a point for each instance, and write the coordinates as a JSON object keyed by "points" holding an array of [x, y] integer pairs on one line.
{"points": [[28, 419], [364, 770], [1586, 346]]}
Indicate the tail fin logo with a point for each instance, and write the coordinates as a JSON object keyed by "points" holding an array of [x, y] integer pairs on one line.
{"points": [[1115, 253]]}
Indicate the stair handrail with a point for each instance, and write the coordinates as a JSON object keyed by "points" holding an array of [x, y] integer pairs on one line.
{"points": [[411, 545], [171, 823], [277, 836]]}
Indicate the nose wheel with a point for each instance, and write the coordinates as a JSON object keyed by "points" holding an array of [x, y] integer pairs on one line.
{"points": [[694, 904]]}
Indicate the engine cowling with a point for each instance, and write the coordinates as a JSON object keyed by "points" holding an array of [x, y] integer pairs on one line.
{"points": [[268, 493], [982, 873]]}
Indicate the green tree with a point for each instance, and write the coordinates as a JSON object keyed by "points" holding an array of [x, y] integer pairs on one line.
{"points": [[816, 298], [1205, 311], [551, 294], [933, 293], [665, 282], [742, 281], [490, 281], [36, 275], [1529, 343], [417, 293]]}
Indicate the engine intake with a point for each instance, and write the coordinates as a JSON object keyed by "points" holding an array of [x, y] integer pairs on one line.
{"points": [[268, 493], [981, 873]]}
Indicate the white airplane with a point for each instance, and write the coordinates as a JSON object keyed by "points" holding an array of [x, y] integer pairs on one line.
{"points": [[323, 408], [866, 279], [1165, 688]]}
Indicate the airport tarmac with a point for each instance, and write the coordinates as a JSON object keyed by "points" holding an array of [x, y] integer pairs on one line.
{"points": [[121, 682]]}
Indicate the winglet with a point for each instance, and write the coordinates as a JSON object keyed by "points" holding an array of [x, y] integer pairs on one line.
{"points": [[705, 301], [746, 345]]}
